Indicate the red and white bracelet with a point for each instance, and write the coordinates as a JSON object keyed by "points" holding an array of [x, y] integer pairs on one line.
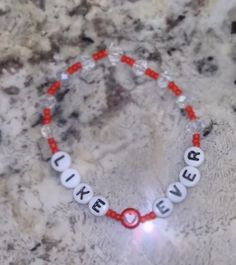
{"points": [[70, 177]]}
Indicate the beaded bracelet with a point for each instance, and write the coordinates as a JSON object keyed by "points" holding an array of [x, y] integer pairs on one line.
{"points": [[70, 178]]}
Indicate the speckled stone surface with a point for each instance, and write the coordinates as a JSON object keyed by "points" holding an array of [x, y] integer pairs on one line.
{"points": [[125, 138]]}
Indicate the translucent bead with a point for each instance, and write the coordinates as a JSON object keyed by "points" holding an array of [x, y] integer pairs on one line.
{"points": [[139, 67], [164, 80], [47, 101], [182, 101], [46, 131], [196, 126], [87, 63], [114, 54], [63, 77]]}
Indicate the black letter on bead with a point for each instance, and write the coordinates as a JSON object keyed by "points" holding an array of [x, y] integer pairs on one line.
{"points": [[82, 192], [192, 155], [189, 176], [97, 205], [70, 177], [176, 192], [58, 159], [161, 207]]}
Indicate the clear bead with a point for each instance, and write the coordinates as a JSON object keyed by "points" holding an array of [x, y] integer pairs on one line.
{"points": [[87, 63], [114, 54], [46, 131], [182, 101], [139, 67], [164, 80], [64, 78], [47, 101], [196, 126]]}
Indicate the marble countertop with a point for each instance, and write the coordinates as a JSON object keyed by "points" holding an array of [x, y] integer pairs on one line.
{"points": [[125, 136]]}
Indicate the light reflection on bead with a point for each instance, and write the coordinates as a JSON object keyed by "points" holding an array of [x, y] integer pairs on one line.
{"points": [[46, 131], [114, 53], [139, 67]]}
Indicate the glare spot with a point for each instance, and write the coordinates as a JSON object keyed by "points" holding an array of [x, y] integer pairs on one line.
{"points": [[148, 227]]}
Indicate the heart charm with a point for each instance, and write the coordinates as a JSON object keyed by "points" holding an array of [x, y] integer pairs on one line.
{"points": [[130, 218]]}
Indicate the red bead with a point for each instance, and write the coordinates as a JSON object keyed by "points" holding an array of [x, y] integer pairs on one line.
{"points": [[100, 55], [175, 89], [196, 139], [151, 73], [47, 116], [54, 87], [190, 112], [74, 68], [152, 215], [128, 60], [53, 145]]}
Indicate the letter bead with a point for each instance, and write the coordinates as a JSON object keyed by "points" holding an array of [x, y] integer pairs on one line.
{"points": [[189, 176], [98, 206], [194, 156], [176, 192], [70, 178], [60, 161], [163, 207], [83, 193]]}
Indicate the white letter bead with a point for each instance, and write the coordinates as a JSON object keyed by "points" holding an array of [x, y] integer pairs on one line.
{"points": [[83, 193], [60, 161], [70, 178], [176, 192], [163, 207], [98, 206], [194, 156], [189, 176]]}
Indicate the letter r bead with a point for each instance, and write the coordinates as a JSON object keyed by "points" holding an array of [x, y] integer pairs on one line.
{"points": [[194, 156]]}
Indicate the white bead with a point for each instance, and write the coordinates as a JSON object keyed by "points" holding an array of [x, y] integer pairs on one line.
{"points": [[189, 176], [70, 178], [46, 131], [194, 156], [98, 206], [181, 101], [60, 161], [164, 80], [83, 193], [139, 67], [163, 207], [176, 192], [47, 101], [114, 54], [87, 63]]}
